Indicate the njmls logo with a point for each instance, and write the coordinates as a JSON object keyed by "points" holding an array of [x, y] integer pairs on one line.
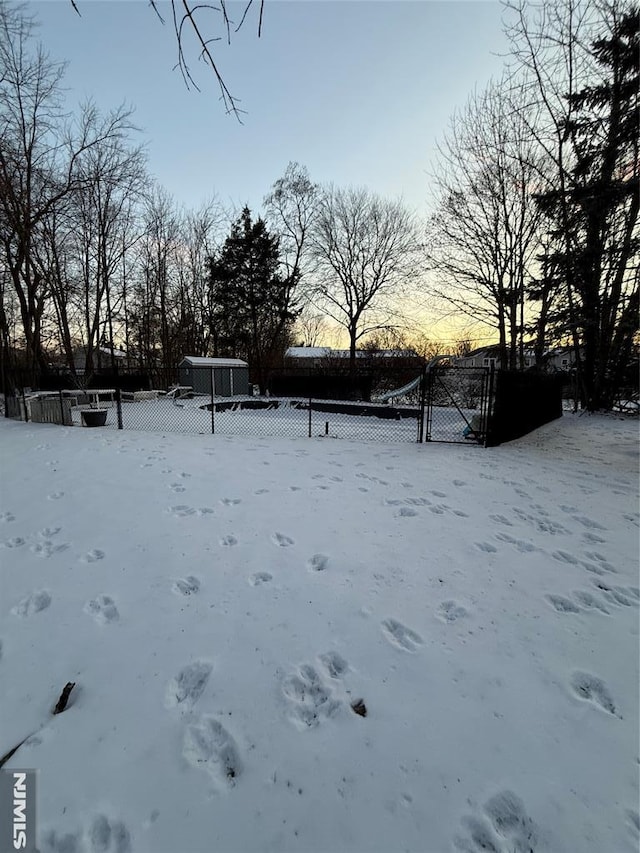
{"points": [[17, 811]]}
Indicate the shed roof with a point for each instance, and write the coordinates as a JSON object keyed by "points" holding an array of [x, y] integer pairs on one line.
{"points": [[199, 361]]}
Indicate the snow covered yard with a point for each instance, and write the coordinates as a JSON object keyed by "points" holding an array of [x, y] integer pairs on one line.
{"points": [[221, 601]]}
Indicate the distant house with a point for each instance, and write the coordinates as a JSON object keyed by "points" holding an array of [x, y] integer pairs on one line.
{"points": [[229, 377], [561, 358], [101, 358], [489, 356], [308, 357], [326, 358]]}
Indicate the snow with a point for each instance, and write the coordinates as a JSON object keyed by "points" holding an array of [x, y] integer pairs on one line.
{"points": [[220, 601], [308, 352], [201, 361]]}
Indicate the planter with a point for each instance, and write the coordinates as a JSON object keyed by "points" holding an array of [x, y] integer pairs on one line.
{"points": [[94, 417]]}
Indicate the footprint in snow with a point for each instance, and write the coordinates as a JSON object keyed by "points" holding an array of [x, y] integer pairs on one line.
{"points": [[503, 825], [520, 545], [103, 835], [181, 511], [258, 578], [177, 488], [564, 557], [47, 549], [55, 496], [92, 556], [588, 600], [451, 611], [108, 836], [282, 540], [601, 560], [401, 636], [7, 516], [206, 510], [188, 685], [592, 689], [406, 512], [633, 821], [228, 541], [486, 547], [334, 664], [103, 609], [593, 568], [618, 595], [310, 699], [209, 746], [501, 519], [15, 542], [589, 522], [230, 501], [46, 532], [318, 563], [186, 586], [32, 603], [593, 538], [562, 604]]}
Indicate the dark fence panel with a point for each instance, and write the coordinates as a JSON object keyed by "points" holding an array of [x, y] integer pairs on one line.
{"points": [[454, 404], [457, 400], [522, 402]]}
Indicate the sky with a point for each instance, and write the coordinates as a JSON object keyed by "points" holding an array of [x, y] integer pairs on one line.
{"points": [[359, 92]]}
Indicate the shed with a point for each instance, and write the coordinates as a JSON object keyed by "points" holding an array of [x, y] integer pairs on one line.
{"points": [[230, 376]]}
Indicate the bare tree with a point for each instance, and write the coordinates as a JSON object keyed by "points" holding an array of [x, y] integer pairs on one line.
{"points": [[197, 27], [41, 156], [200, 239], [311, 327], [483, 236], [580, 63], [364, 248], [103, 211], [291, 211]]}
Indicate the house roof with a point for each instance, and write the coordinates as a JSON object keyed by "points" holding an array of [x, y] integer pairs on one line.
{"points": [[198, 361], [327, 352], [308, 352]]}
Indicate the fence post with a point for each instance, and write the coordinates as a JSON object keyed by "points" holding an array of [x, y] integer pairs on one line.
{"points": [[24, 404], [61, 407], [118, 398], [4, 386], [423, 399], [490, 401], [309, 417], [213, 388]]}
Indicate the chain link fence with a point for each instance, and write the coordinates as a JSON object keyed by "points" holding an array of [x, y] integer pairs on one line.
{"points": [[155, 400], [449, 404]]}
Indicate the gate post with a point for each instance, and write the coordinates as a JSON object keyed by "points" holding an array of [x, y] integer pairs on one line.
{"points": [[489, 404], [423, 397]]}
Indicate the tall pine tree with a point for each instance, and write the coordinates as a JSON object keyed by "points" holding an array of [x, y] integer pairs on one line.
{"points": [[594, 217], [253, 303]]}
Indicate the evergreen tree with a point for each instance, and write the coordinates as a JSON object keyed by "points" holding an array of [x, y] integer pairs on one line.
{"points": [[594, 215], [253, 303]]}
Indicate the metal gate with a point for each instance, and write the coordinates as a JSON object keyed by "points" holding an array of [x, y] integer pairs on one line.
{"points": [[457, 403]]}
